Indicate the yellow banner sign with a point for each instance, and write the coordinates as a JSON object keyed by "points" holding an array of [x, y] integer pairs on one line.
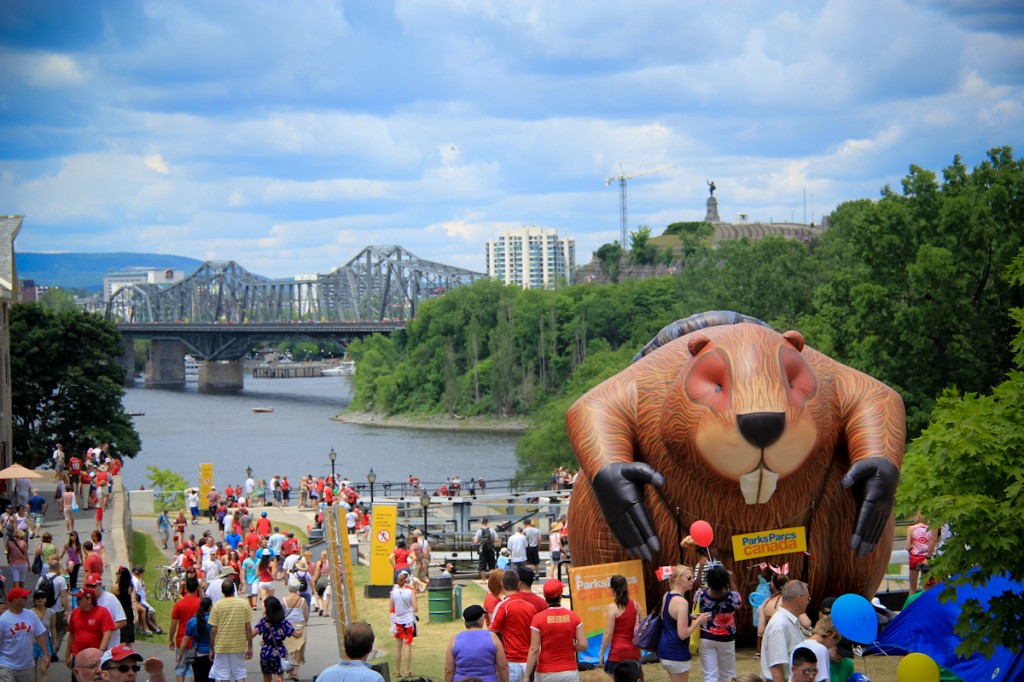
{"points": [[769, 542], [205, 483], [382, 542], [588, 586]]}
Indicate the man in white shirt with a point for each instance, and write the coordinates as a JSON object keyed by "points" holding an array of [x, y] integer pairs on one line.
{"points": [[110, 603], [517, 546], [214, 590], [60, 603], [250, 487], [19, 627], [783, 632]]}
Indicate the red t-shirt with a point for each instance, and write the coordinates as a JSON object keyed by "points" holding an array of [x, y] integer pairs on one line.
{"points": [[115, 467], [93, 563], [557, 628], [85, 477], [535, 599], [188, 558], [252, 541], [401, 559], [101, 478], [229, 491], [184, 609], [263, 526], [511, 620], [75, 465], [88, 628]]}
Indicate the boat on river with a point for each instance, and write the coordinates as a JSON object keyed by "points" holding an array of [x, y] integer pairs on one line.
{"points": [[342, 368], [191, 368], [262, 409]]}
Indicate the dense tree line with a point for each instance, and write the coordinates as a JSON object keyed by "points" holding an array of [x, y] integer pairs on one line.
{"points": [[909, 288], [66, 384]]}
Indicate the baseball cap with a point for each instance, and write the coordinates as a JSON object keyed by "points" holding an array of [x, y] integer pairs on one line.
{"points": [[473, 613], [526, 574], [93, 579], [552, 588], [263, 514], [17, 593], [118, 654], [83, 591]]}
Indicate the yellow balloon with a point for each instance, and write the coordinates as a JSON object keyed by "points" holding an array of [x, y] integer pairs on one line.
{"points": [[917, 668]]}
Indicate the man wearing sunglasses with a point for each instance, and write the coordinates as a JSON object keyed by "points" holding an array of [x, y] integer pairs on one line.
{"points": [[121, 663]]}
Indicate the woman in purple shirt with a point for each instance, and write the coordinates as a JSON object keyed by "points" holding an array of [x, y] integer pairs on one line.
{"points": [[475, 652]]}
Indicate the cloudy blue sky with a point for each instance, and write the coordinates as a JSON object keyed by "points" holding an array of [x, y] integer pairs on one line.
{"points": [[288, 135]]}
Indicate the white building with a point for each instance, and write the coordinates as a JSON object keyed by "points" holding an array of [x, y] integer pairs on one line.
{"points": [[118, 280], [531, 257]]}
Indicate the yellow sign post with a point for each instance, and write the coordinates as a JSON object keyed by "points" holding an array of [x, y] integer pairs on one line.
{"points": [[769, 542], [205, 483], [588, 586], [382, 544]]}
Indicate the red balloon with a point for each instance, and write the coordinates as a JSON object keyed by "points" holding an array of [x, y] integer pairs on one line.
{"points": [[701, 533]]}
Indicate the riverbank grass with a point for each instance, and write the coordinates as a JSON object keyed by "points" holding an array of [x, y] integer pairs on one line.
{"points": [[147, 554]]}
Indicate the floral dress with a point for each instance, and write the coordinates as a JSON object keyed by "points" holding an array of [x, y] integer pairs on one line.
{"points": [[273, 649]]}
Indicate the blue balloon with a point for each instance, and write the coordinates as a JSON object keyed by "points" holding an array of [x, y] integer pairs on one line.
{"points": [[858, 677], [855, 619]]}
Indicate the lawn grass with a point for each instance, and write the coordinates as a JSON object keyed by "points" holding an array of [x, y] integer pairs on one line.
{"points": [[147, 554]]}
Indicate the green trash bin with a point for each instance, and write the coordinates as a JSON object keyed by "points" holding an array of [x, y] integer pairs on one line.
{"points": [[439, 599]]}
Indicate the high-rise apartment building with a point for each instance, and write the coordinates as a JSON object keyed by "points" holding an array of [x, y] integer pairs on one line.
{"points": [[531, 257]]}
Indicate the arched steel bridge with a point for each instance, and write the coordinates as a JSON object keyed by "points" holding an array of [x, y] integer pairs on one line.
{"points": [[380, 284]]}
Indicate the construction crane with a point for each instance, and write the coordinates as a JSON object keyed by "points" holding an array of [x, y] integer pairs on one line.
{"points": [[622, 177]]}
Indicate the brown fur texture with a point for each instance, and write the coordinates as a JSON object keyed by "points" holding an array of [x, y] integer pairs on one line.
{"points": [[676, 410]]}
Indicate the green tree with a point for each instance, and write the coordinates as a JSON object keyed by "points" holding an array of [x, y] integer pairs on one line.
{"points": [[168, 487], [66, 384], [58, 300], [967, 469], [640, 252], [610, 257]]}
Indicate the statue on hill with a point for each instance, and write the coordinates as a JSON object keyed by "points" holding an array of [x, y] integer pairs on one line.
{"points": [[711, 187]]}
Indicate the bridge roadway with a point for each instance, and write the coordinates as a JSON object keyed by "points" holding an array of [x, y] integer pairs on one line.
{"points": [[222, 345]]}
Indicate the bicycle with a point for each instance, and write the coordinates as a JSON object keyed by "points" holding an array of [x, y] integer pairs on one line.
{"points": [[168, 585]]}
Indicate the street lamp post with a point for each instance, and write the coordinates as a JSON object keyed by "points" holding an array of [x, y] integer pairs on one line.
{"points": [[332, 455], [248, 473], [425, 503], [371, 478]]}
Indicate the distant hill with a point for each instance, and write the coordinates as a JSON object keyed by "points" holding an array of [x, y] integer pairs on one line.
{"points": [[87, 270]]}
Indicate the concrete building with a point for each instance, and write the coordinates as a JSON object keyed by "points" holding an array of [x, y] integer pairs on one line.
{"points": [[10, 226], [117, 280], [531, 257]]}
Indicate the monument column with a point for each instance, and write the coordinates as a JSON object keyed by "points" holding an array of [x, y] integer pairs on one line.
{"points": [[712, 213], [166, 364]]}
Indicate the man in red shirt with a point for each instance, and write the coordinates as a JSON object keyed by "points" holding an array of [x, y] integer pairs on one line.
{"points": [[556, 634], [75, 470], [511, 620], [263, 526], [90, 625], [252, 540], [93, 562], [526, 576], [101, 478], [183, 611]]}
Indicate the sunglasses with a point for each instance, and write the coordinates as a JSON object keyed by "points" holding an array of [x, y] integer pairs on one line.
{"points": [[124, 667]]}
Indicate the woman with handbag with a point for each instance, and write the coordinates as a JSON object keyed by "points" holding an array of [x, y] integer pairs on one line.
{"points": [[403, 614], [73, 551], [17, 559], [296, 612], [623, 615], [678, 625], [275, 630], [195, 648]]}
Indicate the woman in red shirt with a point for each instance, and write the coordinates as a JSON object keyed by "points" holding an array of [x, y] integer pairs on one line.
{"points": [[556, 634], [399, 558], [623, 615]]}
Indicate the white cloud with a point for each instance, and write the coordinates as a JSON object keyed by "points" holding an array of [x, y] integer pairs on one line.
{"points": [[51, 71], [157, 163]]}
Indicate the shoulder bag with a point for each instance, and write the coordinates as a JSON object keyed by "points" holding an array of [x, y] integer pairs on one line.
{"points": [[648, 631]]}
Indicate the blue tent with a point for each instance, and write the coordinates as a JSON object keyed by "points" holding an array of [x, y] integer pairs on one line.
{"points": [[926, 626]]}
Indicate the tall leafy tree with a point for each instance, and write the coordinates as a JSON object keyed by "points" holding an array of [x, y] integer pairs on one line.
{"points": [[66, 384], [967, 469]]}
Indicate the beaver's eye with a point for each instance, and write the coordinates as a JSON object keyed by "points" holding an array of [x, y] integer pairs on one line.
{"points": [[718, 388], [708, 381], [799, 377]]}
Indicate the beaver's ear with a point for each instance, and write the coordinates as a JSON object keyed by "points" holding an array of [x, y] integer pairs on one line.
{"points": [[795, 338], [696, 343]]}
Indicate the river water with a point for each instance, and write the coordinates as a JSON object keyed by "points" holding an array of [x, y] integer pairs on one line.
{"points": [[184, 428]]}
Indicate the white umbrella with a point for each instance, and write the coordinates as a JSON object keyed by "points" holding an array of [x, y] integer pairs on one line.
{"points": [[18, 471]]}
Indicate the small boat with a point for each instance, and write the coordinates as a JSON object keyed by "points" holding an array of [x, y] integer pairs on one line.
{"points": [[136, 414], [191, 368], [263, 409], [342, 368]]}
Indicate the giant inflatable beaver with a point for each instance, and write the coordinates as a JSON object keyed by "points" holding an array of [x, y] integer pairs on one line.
{"points": [[723, 419]]}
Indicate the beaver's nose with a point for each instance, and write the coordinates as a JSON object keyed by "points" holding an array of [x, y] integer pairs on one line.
{"points": [[761, 428]]}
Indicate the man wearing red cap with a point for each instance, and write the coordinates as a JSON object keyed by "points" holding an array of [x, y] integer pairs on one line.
{"points": [[556, 635], [90, 626], [121, 663], [18, 627]]}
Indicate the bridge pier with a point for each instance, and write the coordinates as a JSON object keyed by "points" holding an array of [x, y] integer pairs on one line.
{"points": [[127, 360], [166, 364], [221, 375]]}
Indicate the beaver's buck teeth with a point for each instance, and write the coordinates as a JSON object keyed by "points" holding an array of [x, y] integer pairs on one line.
{"points": [[758, 486]]}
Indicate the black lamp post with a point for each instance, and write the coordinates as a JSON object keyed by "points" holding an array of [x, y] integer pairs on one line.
{"points": [[332, 455], [248, 472], [371, 478], [425, 503]]}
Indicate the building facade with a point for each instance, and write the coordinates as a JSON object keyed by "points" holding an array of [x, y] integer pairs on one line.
{"points": [[118, 280], [9, 228], [531, 257]]}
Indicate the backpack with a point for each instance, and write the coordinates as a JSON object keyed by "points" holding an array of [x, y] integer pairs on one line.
{"points": [[46, 585], [486, 540]]}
